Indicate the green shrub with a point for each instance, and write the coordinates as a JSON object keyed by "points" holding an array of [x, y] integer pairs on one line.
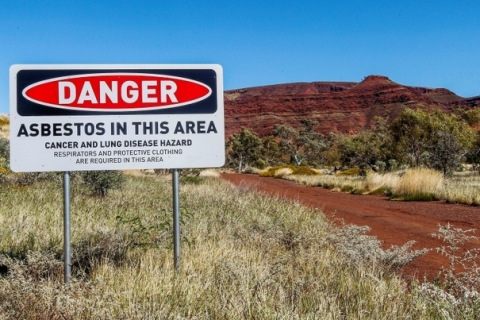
{"points": [[101, 182], [260, 164], [381, 165], [392, 164]]}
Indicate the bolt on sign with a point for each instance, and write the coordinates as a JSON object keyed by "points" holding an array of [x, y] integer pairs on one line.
{"points": [[116, 117]]}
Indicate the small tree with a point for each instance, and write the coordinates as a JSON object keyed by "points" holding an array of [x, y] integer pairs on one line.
{"points": [[435, 139], [289, 142], [270, 151], [471, 116], [364, 151], [450, 139], [409, 133], [473, 155], [301, 145], [332, 155], [243, 148]]}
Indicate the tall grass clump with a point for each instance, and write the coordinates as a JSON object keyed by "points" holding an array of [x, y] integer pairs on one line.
{"points": [[288, 170], [351, 184], [419, 185], [376, 183], [462, 189]]}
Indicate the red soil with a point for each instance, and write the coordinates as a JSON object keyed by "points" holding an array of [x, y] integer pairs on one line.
{"points": [[392, 222]]}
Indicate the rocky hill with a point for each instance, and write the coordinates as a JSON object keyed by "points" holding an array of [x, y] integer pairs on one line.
{"points": [[342, 107]]}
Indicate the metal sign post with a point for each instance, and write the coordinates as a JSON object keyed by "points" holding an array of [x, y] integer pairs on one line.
{"points": [[176, 219], [66, 226]]}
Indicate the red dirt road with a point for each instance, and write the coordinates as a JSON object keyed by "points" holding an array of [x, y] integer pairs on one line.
{"points": [[392, 222]]}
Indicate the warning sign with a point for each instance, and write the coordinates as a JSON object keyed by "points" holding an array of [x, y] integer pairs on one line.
{"points": [[116, 117]]}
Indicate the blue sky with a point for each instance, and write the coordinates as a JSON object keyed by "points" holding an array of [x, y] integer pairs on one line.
{"points": [[420, 43]]}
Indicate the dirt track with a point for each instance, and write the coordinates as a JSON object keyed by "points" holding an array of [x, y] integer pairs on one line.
{"points": [[392, 222]]}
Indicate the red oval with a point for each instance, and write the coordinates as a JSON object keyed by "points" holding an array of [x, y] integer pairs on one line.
{"points": [[117, 92]]}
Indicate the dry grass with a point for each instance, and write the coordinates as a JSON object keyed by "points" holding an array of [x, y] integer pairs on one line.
{"points": [[381, 183], [282, 172], [285, 171], [419, 184], [4, 126], [462, 189], [244, 256], [355, 184], [412, 184], [209, 173]]}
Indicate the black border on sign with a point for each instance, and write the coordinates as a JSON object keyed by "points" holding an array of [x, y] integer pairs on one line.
{"points": [[26, 77]]}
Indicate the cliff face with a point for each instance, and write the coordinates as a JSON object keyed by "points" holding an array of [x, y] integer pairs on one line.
{"points": [[342, 107]]}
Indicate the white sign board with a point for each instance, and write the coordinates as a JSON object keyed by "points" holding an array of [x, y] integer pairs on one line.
{"points": [[116, 117]]}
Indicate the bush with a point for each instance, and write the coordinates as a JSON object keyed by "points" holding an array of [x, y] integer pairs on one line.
{"points": [[361, 249], [392, 164], [260, 164], [381, 165], [456, 294], [101, 182]]}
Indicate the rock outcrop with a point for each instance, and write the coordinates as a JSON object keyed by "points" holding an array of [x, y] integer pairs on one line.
{"points": [[341, 107]]}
